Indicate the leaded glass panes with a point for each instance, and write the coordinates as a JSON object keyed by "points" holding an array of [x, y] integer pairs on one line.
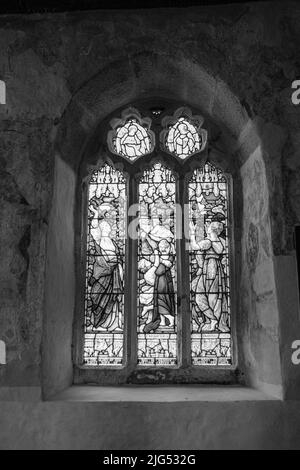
{"points": [[104, 287], [209, 267], [183, 138], [152, 258], [157, 321], [132, 140]]}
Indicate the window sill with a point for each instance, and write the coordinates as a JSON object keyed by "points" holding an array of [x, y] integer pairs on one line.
{"points": [[161, 393], [140, 375]]}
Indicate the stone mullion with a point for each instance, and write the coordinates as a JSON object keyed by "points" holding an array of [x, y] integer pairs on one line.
{"points": [[131, 279], [183, 258]]}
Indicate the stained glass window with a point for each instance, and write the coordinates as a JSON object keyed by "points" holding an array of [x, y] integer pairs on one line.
{"points": [[209, 267], [104, 291], [183, 138], [150, 313], [157, 321], [132, 140]]}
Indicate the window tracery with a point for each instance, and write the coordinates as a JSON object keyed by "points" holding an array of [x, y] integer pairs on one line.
{"points": [[158, 311]]}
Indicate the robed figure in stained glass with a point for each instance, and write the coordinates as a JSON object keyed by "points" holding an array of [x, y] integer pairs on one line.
{"points": [[210, 306], [157, 290], [106, 279], [132, 140], [160, 276], [183, 138]]}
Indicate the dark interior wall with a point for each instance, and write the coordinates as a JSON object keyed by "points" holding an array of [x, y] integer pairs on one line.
{"points": [[66, 72]]}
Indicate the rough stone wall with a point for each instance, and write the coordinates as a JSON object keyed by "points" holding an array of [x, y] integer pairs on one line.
{"points": [[258, 302], [47, 59]]}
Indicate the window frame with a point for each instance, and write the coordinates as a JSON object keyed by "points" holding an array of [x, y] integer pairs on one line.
{"points": [[130, 371]]}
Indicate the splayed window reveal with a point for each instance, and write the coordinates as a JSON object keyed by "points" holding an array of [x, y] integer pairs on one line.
{"points": [[183, 139], [209, 268], [157, 322], [104, 293], [132, 140]]}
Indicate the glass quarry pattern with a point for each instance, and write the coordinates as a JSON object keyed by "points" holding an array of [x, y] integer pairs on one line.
{"points": [[104, 294], [132, 140], [183, 139], [209, 268], [157, 322]]}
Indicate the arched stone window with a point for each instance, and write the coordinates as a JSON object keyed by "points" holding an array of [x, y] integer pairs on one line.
{"points": [[156, 240], [157, 86]]}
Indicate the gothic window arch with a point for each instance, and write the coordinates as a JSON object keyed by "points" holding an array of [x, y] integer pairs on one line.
{"points": [[157, 253]]}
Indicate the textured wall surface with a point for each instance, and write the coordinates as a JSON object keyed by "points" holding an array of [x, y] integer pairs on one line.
{"points": [[65, 73], [127, 425]]}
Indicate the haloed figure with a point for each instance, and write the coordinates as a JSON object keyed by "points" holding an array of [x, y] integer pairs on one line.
{"points": [[184, 139], [209, 284], [160, 276], [133, 143], [106, 278]]}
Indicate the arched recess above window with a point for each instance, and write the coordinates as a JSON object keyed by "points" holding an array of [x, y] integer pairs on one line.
{"points": [[131, 136], [183, 135]]}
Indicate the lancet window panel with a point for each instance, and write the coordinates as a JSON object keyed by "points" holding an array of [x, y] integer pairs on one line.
{"points": [[105, 266], [157, 316], [209, 268]]}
